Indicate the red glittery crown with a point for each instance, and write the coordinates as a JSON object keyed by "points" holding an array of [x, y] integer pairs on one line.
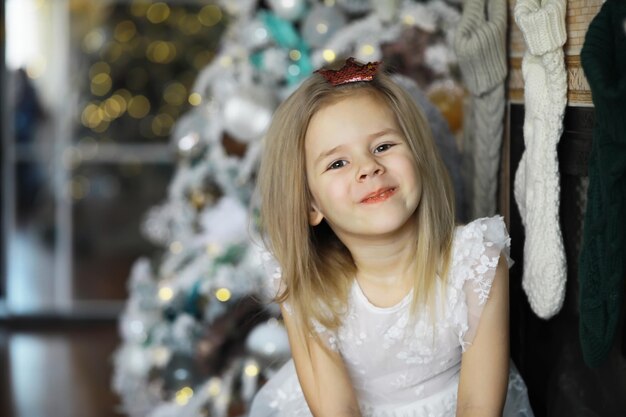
{"points": [[351, 72]]}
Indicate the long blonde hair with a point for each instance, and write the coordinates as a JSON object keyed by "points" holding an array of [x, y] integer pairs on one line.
{"points": [[317, 269]]}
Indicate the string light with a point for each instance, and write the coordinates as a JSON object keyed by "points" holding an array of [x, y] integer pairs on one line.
{"points": [[223, 294], [251, 370], [295, 55], [125, 31], [195, 99], [166, 293], [367, 49], [329, 55], [210, 15], [175, 93], [138, 106], [158, 12], [176, 247], [183, 395], [215, 386]]}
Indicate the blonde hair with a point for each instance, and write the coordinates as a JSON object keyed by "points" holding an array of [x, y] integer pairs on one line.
{"points": [[317, 269]]}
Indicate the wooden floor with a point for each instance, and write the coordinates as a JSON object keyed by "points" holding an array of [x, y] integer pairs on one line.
{"points": [[57, 369]]}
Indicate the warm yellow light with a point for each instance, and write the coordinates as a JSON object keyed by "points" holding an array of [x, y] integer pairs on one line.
{"points": [[125, 31], [223, 294], [115, 105], [102, 127], [213, 249], [90, 116], [138, 107], [210, 15], [183, 395], [251, 370], [408, 20], [161, 52], [295, 55], [158, 12], [321, 28], [175, 93], [189, 25], [93, 41], [101, 84], [367, 49], [166, 293], [176, 247], [329, 55], [215, 386], [99, 67], [195, 99], [161, 355], [162, 124], [139, 7], [226, 61], [125, 94]]}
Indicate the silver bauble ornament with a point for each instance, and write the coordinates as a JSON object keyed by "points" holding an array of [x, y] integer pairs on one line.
{"points": [[321, 24], [268, 342], [288, 9], [248, 112]]}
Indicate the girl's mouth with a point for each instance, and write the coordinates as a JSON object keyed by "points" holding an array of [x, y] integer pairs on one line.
{"points": [[379, 195]]}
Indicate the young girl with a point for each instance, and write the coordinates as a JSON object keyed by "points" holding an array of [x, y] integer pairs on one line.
{"points": [[391, 309]]}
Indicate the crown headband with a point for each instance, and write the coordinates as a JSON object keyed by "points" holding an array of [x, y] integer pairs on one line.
{"points": [[351, 72]]}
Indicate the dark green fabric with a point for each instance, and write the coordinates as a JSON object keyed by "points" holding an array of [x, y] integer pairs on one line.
{"points": [[603, 256]]}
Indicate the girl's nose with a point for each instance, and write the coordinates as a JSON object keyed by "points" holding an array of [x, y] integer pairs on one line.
{"points": [[369, 168]]}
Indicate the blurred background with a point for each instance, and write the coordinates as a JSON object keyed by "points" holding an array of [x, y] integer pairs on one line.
{"points": [[132, 282], [130, 138]]}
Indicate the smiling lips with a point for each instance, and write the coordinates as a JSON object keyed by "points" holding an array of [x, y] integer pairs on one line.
{"points": [[379, 195]]}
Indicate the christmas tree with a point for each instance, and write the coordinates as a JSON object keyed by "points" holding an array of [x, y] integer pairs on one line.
{"points": [[199, 332]]}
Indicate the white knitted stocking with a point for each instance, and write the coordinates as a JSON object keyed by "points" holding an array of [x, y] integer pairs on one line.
{"points": [[537, 188]]}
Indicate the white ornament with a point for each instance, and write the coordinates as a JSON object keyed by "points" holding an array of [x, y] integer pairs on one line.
{"points": [[288, 9], [269, 341], [247, 114], [321, 24], [386, 10], [255, 35]]}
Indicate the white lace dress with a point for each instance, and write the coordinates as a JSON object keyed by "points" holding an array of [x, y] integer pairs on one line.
{"points": [[401, 368]]}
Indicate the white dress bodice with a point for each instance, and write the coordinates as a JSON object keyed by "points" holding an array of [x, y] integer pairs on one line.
{"points": [[402, 365]]}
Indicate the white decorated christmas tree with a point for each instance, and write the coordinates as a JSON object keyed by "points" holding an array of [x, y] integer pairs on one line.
{"points": [[199, 335]]}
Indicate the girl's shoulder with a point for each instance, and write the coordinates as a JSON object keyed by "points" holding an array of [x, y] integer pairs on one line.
{"points": [[476, 249], [486, 230]]}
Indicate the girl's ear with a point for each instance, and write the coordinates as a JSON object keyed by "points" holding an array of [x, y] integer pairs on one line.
{"points": [[315, 216]]}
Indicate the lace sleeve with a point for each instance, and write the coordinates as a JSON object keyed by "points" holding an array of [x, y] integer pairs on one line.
{"points": [[476, 254]]}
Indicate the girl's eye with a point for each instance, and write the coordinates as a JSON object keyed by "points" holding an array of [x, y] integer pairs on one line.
{"points": [[383, 147], [338, 164]]}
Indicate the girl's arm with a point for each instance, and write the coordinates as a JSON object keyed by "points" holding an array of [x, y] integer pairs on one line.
{"points": [[323, 377], [485, 364]]}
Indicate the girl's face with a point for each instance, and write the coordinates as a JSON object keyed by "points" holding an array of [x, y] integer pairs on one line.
{"points": [[362, 176]]}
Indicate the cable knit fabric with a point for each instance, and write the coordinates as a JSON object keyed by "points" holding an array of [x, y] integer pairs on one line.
{"points": [[480, 45], [602, 260], [402, 367], [537, 186]]}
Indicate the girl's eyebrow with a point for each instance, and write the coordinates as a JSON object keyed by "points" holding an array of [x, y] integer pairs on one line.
{"points": [[371, 136]]}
